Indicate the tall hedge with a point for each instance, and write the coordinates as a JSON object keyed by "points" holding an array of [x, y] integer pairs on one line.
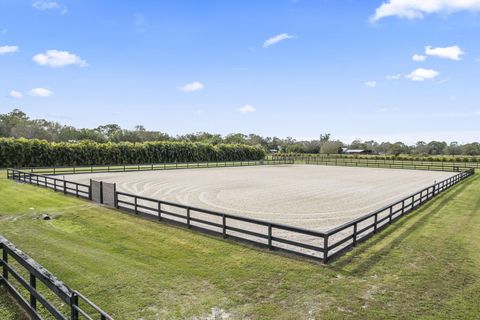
{"points": [[36, 153]]}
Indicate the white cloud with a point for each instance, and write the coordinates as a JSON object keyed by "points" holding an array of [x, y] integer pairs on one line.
{"points": [[246, 109], [276, 39], [421, 74], [8, 49], [15, 94], [192, 87], [393, 77], [418, 58], [58, 59], [453, 52], [371, 84], [40, 92], [49, 5], [417, 9]]}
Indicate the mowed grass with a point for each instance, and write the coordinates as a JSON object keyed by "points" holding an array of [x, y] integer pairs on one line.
{"points": [[425, 266]]}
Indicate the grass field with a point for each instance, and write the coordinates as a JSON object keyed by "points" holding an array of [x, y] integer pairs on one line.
{"points": [[426, 266]]}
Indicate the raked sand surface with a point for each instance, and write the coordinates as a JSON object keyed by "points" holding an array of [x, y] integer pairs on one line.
{"points": [[308, 196]]}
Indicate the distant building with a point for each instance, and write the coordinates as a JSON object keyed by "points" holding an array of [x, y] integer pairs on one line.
{"points": [[356, 151]]}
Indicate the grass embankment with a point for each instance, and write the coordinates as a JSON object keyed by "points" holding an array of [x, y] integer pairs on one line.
{"points": [[426, 266]]}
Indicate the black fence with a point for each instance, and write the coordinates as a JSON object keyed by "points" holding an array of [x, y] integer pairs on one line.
{"points": [[349, 234], [58, 185], [310, 243], [59, 170], [365, 161], [264, 233], [38, 301]]}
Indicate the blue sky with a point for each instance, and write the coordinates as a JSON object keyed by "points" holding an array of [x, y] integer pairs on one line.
{"points": [[279, 67]]}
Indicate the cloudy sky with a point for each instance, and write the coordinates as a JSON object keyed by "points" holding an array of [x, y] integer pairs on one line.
{"points": [[383, 69]]}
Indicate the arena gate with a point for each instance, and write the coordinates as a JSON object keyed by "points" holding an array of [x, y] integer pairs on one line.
{"points": [[103, 192]]}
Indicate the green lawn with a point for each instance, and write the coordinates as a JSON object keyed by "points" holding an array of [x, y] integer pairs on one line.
{"points": [[9, 310], [425, 266]]}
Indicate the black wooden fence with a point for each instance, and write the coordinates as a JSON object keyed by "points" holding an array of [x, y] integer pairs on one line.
{"points": [[58, 185], [349, 234], [38, 301], [316, 244], [59, 170], [376, 162]]}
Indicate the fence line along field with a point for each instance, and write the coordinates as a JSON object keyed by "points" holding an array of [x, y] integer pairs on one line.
{"points": [[313, 197]]}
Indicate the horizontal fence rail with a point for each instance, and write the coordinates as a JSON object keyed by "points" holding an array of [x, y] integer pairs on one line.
{"points": [[268, 234], [63, 170], [310, 243], [38, 302], [375, 162], [350, 233], [58, 185]]}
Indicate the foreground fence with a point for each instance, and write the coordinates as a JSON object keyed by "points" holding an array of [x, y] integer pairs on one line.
{"points": [[22, 277], [310, 243]]}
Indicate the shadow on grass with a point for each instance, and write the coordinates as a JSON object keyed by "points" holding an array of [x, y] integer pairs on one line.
{"points": [[9, 309], [364, 263]]}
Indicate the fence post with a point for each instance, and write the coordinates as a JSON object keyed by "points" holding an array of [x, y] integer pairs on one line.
{"points": [[115, 196], [4, 263], [33, 284], [375, 223], [390, 215], [90, 190], [270, 236], [224, 222], [101, 192], [189, 225], [73, 303], [325, 249], [135, 201], [64, 186], [355, 234]]}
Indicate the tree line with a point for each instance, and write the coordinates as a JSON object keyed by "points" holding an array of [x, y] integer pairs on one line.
{"points": [[17, 124]]}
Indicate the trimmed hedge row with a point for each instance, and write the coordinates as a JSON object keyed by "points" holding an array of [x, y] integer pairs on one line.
{"points": [[40, 153]]}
